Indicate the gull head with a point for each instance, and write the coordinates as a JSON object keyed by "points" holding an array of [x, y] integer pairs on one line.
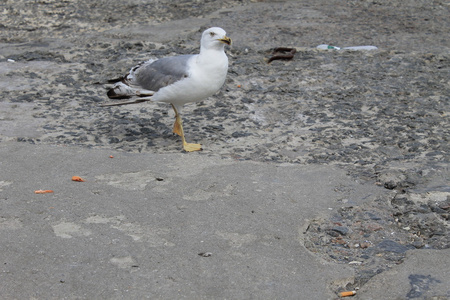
{"points": [[214, 38]]}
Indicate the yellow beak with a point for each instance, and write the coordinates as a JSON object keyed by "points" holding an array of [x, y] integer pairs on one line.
{"points": [[225, 40]]}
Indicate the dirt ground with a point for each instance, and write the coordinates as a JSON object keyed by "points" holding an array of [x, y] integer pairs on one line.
{"points": [[383, 115]]}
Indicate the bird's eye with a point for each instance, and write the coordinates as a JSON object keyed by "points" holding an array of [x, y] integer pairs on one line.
{"points": [[212, 33]]}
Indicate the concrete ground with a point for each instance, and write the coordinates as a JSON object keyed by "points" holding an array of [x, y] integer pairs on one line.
{"points": [[178, 226], [287, 145]]}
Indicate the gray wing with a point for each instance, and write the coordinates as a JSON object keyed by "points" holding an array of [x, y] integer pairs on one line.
{"points": [[163, 72]]}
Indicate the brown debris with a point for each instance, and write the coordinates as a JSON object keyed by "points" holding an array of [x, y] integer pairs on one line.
{"points": [[282, 53]]}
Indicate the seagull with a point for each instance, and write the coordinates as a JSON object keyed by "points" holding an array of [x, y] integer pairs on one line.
{"points": [[177, 79]]}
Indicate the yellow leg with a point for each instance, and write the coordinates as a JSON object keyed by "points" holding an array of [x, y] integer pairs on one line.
{"points": [[178, 129]]}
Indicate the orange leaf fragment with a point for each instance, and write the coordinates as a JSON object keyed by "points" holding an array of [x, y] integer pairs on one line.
{"points": [[43, 191], [77, 178], [111, 156]]}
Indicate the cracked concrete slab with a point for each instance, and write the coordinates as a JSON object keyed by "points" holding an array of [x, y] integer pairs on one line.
{"points": [[247, 215]]}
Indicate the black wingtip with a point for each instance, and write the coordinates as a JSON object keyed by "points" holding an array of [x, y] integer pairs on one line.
{"points": [[114, 80], [111, 94]]}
